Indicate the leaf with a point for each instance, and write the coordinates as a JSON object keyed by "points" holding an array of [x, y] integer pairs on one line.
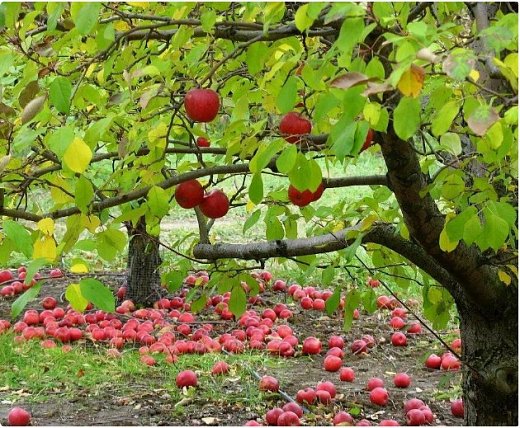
{"points": [[451, 143], [445, 243], [20, 303], [444, 118], [300, 175], [265, 154], [60, 140], [407, 117], [495, 230], [286, 98], [60, 91], [45, 248], [28, 93], [459, 63], [33, 267], [412, 81], [33, 108], [332, 302], [285, 162], [251, 221], [472, 229], [351, 302], [109, 243], [157, 199], [301, 19], [84, 194], [327, 275], [237, 301], [256, 189], [20, 237], [426, 54], [504, 277], [98, 293], [348, 80], [481, 119], [75, 298], [78, 155], [86, 17], [455, 226], [343, 137], [46, 225]]}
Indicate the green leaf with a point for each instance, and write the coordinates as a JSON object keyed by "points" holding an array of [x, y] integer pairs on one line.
{"points": [[110, 243], [327, 275], [157, 200], [285, 162], [472, 229], [495, 231], [84, 194], [54, 11], [299, 176], [453, 186], [33, 267], [98, 293], [60, 91], [407, 117], [60, 140], [75, 298], [274, 229], [332, 302], [208, 19], [444, 118], [342, 136], [455, 227], [265, 154], [451, 143], [315, 175], [256, 55], [256, 189], [20, 237], [199, 304], [85, 16], [251, 220], [173, 280], [20, 303], [286, 98], [503, 210], [351, 302], [369, 300], [237, 301], [301, 19]]}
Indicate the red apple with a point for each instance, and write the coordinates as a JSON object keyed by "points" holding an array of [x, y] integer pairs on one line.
{"points": [[337, 352], [364, 423], [293, 125], [186, 378], [450, 362], [326, 386], [8, 290], [375, 382], [415, 328], [252, 423], [346, 374], [316, 195], [433, 362], [427, 414], [311, 346], [307, 395], [203, 142], [293, 407], [201, 104], [271, 417], [389, 423], [332, 363], [269, 383], [298, 198], [343, 418], [189, 194], [323, 396], [413, 403], [379, 396], [402, 380], [397, 323], [358, 346], [279, 285], [368, 140], [6, 275], [457, 408], [318, 304], [215, 204], [18, 417], [415, 417], [56, 273], [336, 342], [398, 339], [220, 367], [49, 303], [288, 419]]}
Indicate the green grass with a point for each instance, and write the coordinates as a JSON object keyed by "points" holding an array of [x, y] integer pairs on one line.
{"points": [[43, 373]]}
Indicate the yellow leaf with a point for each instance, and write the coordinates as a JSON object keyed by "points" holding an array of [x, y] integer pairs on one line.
{"points": [[445, 243], [45, 248], [474, 75], [339, 226], [511, 61], [78, 155], [143, 4], [121, 26], [250, 206], [46, 226], [79, 268], [412, 81], [58, 195], [504, 277], [368, 222], [91, 222]]}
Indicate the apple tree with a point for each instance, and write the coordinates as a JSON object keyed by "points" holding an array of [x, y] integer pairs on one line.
{"points": [[109, 112]]}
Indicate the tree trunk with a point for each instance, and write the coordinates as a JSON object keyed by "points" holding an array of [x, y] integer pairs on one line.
{"points": [[143, 279], [491, 348]]}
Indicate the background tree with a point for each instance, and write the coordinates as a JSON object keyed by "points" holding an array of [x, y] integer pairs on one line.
{"points": [[94, 131]]}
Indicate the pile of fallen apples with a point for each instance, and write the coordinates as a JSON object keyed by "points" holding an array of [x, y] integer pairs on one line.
{"points": [[170, 329]]}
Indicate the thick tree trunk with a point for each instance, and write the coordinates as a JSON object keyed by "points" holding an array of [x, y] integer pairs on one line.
{"points": [[491, 348], [143, 279]]}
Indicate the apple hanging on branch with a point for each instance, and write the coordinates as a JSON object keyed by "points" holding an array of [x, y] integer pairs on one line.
{"points": [[189, 194], [304, 198], [201, 104], [293, 125], [215, 204]]}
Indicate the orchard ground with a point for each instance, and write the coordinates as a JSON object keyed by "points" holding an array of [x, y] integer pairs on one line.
{"points": [[87, 387]]}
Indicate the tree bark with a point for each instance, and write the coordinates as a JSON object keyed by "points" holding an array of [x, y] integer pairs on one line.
{"points": [[491, 347], [143, 279]]}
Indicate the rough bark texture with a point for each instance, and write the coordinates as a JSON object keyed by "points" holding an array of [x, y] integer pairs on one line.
{"points": [[143, 279], [491, 347]]}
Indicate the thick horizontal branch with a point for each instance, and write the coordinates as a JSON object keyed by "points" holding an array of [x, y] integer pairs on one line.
{"points": [[382, 234], [366, 180]]}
